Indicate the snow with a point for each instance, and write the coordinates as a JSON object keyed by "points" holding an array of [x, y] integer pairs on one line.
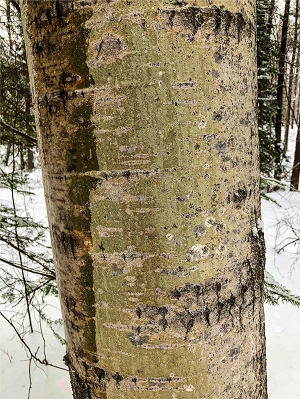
{"points": [[282, 322], [260, 225], [255, 231], [47, 382]]}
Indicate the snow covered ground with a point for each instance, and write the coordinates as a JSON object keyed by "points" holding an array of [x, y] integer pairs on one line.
{"points": [[282, 322]]}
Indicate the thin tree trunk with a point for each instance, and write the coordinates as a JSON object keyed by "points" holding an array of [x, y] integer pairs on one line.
{"points": [[291, 79], [30, 158], [280, 86], [7, 153], [296, 170], [271, 16], [147, 124], [296, 95]]}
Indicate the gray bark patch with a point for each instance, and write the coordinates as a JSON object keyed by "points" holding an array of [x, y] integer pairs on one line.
{"points": [[138, 340], [199, 231]]}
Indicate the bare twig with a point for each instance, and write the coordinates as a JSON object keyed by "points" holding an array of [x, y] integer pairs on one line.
{"points": [[289, 171], [27, 254], [18, 247], [289, 243], [30, 380], [33, 356], [27, 269]]}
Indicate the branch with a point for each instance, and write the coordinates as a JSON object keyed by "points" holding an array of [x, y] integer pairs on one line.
{"points": [[27, 269], [289, 243], [33, 356], [29, 256], [30, 140], [285, 175]]}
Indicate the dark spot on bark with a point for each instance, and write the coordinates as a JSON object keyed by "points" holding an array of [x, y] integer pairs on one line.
{"points": [[215, 73], [99, 48], [163, 311], [206, 314], [118, 378], [49, 16], [217, 116], [240, 195], [179, 3], [190, 18], [139, 312], [245, 122], [127, 174], [39, 47], [221, 146], [218, 57], [101, 247], [233, 352], [176, 294], [189, 325], [218, 19], [240, 24], [218, 286], [59, 11], [228, 20]]}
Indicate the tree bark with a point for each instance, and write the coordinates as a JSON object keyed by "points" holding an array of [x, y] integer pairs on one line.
{"points": [[147, 122], [280, 86]]}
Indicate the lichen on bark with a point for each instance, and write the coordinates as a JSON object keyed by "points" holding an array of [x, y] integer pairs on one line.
{"points": [[148, 136]]}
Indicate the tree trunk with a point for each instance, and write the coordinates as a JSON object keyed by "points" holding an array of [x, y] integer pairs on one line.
{"points": [[30, 160], [291, 80], [30, 157], [271, 16], [280, 86], [296, 95], [296, 165], [147, 121]]}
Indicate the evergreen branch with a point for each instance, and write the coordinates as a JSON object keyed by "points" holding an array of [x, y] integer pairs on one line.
{"points": [[275, 291], [30, 140]]}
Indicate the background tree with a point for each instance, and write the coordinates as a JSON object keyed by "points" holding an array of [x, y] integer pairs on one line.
{"points": [[16, 121], [280, 87], [278, 97], [290, 115], [153, 193], [267, 105]]}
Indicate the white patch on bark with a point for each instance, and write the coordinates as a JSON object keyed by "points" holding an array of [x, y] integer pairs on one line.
{"points": [[198, 252]]}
